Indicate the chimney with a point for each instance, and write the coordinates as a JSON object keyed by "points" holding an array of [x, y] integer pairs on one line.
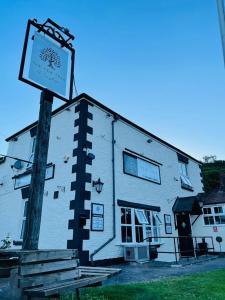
{"points": [[222, 182]]}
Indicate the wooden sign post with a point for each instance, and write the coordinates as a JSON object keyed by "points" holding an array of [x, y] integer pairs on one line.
{"points": [[49, 71], [34, 208]]}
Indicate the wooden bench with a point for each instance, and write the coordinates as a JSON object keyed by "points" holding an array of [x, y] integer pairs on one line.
{"points": [[41, 274]]}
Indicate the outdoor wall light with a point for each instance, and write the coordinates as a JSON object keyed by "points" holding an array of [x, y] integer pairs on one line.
{"points": [[98, 185]]}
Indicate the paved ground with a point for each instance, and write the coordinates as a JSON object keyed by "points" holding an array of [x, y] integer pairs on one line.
{"points": [[133, 272], [152, 271]]}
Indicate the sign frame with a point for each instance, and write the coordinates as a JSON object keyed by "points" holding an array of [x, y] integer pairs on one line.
{"points": [[95, 215], [168, 224], [51, 31]]}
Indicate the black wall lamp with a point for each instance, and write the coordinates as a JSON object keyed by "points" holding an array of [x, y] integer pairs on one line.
{"points": [[98, 185]]}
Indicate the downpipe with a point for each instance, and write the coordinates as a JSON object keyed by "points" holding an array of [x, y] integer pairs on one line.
{"points": [[113, 194]]}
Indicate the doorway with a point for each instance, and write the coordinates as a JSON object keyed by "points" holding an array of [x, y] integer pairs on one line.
{"points": [[186, 245]]}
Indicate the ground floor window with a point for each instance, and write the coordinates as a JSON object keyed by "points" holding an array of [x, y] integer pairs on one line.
{"points": [[138, 224], [214, 215]]}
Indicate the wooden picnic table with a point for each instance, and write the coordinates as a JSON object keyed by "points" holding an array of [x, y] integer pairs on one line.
{"points": [[48, 273]]}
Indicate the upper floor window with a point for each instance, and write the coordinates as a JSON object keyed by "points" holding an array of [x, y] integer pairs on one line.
{"points": [[32, 150], [136, 166], [24, 179], [183, 170]]}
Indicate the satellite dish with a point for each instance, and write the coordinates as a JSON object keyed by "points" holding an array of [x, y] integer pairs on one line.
{"points": [[18, 165]]}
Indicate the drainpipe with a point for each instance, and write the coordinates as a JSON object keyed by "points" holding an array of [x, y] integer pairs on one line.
{"points": [[115, 118]]}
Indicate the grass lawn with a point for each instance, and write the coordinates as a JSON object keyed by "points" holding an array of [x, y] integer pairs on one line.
{"points": [[202, 286]]}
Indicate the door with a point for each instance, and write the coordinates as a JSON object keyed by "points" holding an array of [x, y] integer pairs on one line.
{"points": [[185, 235]]}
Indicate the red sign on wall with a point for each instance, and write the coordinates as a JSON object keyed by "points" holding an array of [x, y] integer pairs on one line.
{"points": [[215, 228]]}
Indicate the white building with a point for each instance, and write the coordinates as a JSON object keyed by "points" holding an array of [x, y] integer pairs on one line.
{"points": [[143, 177]]}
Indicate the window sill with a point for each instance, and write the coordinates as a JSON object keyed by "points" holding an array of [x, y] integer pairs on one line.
{"points": [[187, 188]]}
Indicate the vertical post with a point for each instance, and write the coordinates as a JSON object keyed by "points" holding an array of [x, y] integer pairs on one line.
{"points": [[213, 244], [195, 247], [175, 248], [34, 209], [221, 13]]}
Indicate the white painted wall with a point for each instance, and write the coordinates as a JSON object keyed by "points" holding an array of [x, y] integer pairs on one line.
{"points": [[130, 188], [200, 229], [55, 215], [54, 226]]}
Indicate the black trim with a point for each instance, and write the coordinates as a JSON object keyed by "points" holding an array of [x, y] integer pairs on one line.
{"points": [[136, 176], [182, 158], [138, 205], [144, 157], [56, 195], [25, 192], [92, 102], [78, 204], [33, 131]]}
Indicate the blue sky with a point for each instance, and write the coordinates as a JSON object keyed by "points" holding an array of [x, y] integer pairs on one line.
{"points": [[157, 62]]}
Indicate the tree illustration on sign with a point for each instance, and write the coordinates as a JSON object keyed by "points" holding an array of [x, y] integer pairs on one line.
{"points": [[51, 56]]}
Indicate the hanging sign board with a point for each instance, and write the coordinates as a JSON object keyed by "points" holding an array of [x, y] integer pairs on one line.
{"points": [[48, 64], [48, 59]]}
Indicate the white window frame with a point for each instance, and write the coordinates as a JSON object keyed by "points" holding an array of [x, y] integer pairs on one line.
{"points": [[140, 214], [214, 215], [24, 218], [184, 178], [142, 164], [146, 227], [32, 150]]}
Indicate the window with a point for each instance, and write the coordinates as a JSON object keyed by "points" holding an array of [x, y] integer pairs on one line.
{"points": [[141, 168], [183, 169], [25, 178], [214, 215], [207, 210], [142, 219], [156, 227], [218, 210], [31, 157], [185, 181], [137, 225], [126, 227], [209, 220], [24, 219]]}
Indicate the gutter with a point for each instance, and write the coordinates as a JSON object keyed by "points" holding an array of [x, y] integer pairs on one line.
{"points": [[113, 194]]}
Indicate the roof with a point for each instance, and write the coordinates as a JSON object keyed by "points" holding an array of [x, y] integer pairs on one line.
{"points": [[215, 197], [99, 104], [188, 204]]}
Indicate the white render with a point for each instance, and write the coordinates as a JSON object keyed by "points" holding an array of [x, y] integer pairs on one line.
{"points": [[56, 213]]}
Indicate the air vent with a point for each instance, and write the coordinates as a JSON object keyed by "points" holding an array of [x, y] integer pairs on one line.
{"points": [[136, 253]]}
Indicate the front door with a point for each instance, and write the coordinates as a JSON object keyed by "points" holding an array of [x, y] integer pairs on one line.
{"points": [[185, 237]]}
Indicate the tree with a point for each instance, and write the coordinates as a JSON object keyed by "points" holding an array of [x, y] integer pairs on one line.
{"points": [[209, 158], [211, 170], [51, 56]]}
